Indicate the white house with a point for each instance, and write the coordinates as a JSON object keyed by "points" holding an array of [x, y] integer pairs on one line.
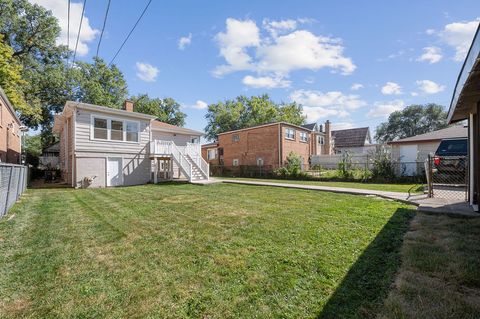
{"points": [[101, 146]]}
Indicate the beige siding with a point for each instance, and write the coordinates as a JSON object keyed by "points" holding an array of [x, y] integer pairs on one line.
{"points": [[136, 169], [85, 143], [423, 149], [178, 139]]}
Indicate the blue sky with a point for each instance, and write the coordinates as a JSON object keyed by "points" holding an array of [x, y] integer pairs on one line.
{"points": [[352, 62]]}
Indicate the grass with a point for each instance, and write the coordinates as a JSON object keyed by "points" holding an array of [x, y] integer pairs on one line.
{"points": [[403, 188], [186, 251], [440, 274]]}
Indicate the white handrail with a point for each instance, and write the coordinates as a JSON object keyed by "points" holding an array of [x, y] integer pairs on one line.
{"points": [[180, 158], [194, 151]]}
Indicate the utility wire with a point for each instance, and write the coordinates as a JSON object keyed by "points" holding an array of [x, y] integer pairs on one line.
{"points": [[68, 26], [79, 30], [131, 31], [103, 28]]}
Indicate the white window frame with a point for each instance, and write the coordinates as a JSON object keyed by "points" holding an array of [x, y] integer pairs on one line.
{"points": [[214, 153], [321, 140], [289, 133], [260, 161], [302, 134], [237, 139], [235, 162], [109, 129]]}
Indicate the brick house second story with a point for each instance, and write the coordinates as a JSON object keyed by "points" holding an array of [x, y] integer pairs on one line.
{"points": [[10, 132], [264, 145]]}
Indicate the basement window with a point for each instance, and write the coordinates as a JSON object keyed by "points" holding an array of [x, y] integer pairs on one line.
{"points": [[235, 138]]}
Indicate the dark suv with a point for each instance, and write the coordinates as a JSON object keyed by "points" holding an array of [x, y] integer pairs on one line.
{"points": [[451, 155]]}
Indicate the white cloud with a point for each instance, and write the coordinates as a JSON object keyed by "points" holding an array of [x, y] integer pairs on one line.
{"points": [[342, 125], [200, 105], [356, 87], [279, 27], [458, 35], [318, 105], [59, 9], [146, 72], [391, 88], [244, 49], [414, 94], [383, 109], [431, 55], [429, 87], [302, 49], [265, 82], [184, 42], [233, 43]]}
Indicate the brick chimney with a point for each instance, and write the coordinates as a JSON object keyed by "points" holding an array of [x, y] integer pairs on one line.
{"points": [[128, 106], [327, 147]]}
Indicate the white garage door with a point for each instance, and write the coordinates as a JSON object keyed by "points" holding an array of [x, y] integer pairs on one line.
{"points": [[408, 159]]}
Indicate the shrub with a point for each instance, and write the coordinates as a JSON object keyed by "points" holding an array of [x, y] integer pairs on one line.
{"points": [[292, 168], [383, 166], [345, 166]]}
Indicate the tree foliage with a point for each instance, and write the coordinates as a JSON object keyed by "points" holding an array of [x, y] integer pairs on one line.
{"points": [[245, 111], [98, 83], [411, 121], [166, 110]]}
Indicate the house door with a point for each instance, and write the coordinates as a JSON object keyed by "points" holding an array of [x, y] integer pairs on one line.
{"points": [[408, 159], [114, 171]]}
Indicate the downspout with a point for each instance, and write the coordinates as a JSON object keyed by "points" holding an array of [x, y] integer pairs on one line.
{"points": [[279, 145]]}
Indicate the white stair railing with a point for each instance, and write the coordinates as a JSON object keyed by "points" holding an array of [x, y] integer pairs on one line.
{"points": [[184, 164], [195, 152]]}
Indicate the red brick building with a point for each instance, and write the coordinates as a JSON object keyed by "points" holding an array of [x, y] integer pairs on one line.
{"points": [[10, 132], [267, 145]]}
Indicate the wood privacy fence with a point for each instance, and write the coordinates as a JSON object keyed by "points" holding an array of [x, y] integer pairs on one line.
{"points": [[13, 182]]}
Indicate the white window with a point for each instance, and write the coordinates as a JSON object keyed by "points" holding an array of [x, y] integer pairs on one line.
{"points": [[115, 130], [235, 162], [235, 138], [194, 140], [321, 140], [290, 133], [303, 137], [212, 154], [132, 131], [260, 161], [100, 128]]}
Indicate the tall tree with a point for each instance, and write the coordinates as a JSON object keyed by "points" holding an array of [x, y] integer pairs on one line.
{"points": [[31, 31], [245, 111], [98, 83], [166, 110], [412, 120]]}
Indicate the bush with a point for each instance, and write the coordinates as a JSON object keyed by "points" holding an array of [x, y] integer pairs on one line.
{"points": [[345, 166], [383, 166], [292, 168]]}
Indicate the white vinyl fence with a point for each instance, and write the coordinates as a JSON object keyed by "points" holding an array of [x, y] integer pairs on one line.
{"points": [[13, 182]]}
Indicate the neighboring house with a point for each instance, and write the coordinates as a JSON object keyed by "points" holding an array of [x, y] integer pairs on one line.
{"points": [[411, 150], [265, 145], [353, 140], [101, 146], [321, 140], [210, 153], [50, 156], [10, 132], [465, 105]]}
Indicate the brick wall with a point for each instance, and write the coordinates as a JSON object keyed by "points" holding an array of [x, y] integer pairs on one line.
{"points": [[213, 161], [298, 147], [252, 144], [10, 135]]}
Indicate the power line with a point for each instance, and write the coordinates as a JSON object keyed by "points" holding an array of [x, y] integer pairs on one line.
{"points": [[131, 31], [68, 26], [79, 30], [103, 28]]}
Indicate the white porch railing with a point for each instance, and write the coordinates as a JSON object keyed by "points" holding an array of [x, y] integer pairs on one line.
{"points": [[180, 153], [195, 152]]}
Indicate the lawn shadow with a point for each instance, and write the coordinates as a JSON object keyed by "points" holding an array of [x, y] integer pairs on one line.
{"points": [[366, 285]]}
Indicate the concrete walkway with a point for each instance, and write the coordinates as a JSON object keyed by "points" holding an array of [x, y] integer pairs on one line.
{"points": [[423, 203]]}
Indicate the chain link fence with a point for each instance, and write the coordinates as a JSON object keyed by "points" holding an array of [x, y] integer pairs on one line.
{"points": [[13, 182], [448, 177]]}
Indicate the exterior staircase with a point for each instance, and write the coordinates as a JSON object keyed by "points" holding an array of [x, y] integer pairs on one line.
{"points": [[188, 158]]}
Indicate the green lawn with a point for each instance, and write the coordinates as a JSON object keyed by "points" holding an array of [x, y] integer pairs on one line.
{"points": [[403, 188], [216, 251]]}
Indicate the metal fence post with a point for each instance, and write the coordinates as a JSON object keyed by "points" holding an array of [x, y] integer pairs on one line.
{"points": [[8, 191]]}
